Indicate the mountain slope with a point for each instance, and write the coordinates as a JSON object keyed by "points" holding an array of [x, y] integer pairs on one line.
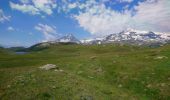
{"points": [[68, 39], [139, 37]]}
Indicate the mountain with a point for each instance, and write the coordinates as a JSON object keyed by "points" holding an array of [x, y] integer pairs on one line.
{"points": [[92, 41], [68, 39], [131, 36], [137, 37]]}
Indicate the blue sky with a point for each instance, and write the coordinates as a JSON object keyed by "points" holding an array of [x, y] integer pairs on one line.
{"points": [[26, 22]]}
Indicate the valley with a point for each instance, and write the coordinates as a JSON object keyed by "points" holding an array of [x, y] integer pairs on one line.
{"points": [[86, 72]]}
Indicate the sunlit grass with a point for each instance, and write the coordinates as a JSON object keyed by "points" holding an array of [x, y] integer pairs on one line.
{"points": [[99, 72]]}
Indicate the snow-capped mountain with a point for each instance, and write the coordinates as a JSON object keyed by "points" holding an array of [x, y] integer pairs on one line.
{"points": [[137, 36], [65, 39], [131, 36], [92, 41], [68, 39]]}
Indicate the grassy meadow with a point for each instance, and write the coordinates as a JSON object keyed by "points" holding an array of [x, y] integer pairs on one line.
{"points": [[93, 72]]}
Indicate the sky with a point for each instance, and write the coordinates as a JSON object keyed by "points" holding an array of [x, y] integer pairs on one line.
{"points": [[27, 22]]}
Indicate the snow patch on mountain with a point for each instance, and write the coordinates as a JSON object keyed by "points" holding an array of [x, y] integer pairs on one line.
{"points": [[68, 38]]}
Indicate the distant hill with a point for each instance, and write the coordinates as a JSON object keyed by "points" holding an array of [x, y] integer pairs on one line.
{"points": [[17, 49]]}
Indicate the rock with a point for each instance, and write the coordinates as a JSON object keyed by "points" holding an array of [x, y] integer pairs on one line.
{"points": [[162, 84], [49, 67], [90, 77], [61, 70], [161, 57], [58, 70], [79, 72], [114, 61], [53, 87], [120, 85], [99, 70], [93, 57], [149, 86], [168, 78], [8, 86]]}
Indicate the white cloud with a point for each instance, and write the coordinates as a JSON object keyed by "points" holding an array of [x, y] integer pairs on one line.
{"points": [[45, 5], [99, 20], [72, 5], [48, 31], [25, 1], [10, 28], [3, 17], [25, 8], [128, 1], [151, 15], [35, 6]]}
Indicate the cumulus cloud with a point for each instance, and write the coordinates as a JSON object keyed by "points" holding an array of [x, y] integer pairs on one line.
{"points": [[48, 31], [98, 19], [3, 17], [103, 21], [35, 6], [128, 1], [151, 15], [45, 5], [25, 8]]}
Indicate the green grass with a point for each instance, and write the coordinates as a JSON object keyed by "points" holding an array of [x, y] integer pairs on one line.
{"points": [[96, 72]]}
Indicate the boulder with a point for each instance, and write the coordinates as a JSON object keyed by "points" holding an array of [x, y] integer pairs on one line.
{"points": [[49, 67]]}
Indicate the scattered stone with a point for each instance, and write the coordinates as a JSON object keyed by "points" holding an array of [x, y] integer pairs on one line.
{"points": [[61, 70], [162, 84], [53, 87], [161, 57], [8, 86], [79, 72], [99, 70], [114, 61], [58, 70], [149, 86], [93, 57], [168, 78], [120, 85], [49, 67], [90, 77]]}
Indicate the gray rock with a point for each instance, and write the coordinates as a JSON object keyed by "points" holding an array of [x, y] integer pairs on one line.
{"points": [[161, 57], [93, 57], [49, 67]]}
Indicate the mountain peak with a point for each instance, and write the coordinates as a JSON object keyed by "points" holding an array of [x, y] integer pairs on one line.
{"points": [[69, 35], [69, 38]]}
